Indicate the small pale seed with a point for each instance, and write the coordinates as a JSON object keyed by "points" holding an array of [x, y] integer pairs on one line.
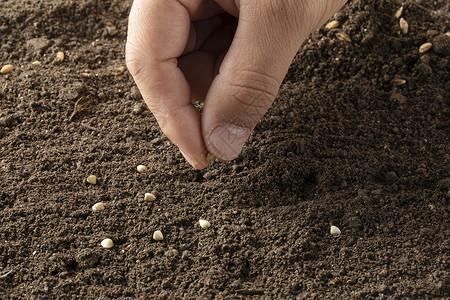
{"points": [[333, 24], [404, 26], [210, 157], [158, 236], [425, 47], [398, 12], [36, 63], [447, 33], [335, 231], [398, 81], [92, 179], [119, 71], [204, 224], [6, 69], [60, 56], [149, 197], [107, 243], [98, 207], [343, 37], [141, 169]]}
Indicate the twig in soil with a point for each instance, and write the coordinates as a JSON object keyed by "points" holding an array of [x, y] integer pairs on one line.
{"points": [[82, 104], [6, 274]]}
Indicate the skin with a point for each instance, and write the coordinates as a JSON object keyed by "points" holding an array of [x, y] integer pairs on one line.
{"points": [[230, 54]]}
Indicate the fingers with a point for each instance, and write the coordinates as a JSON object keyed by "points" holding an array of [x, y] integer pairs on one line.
{"points": [[266, 41], [157, 35]]}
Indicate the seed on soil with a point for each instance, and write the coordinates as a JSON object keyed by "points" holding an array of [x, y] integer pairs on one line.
{"points": [[158, 236], [333, 24], [425, 47], [141, 169], [343, 37], [92, 179], [119, 71], [404, 26], [6, 69], [36, 63], [204, 224], [149, 197], [398, 81], [210, 157], [335, 231], [98, 207], [107, 243], [398, 12], [60, 56]]}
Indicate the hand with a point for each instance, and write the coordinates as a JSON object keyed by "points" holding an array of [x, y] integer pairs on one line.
{"points": [[231, 54]]}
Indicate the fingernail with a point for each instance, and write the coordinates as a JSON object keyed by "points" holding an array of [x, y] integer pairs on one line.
{"points": [[228, 140], [192, 161]]}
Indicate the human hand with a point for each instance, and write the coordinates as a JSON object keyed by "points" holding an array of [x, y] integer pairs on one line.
{"points": [[231, 54]]}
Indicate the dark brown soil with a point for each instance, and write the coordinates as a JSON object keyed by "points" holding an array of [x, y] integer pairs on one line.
{"points": [[342, 145]]}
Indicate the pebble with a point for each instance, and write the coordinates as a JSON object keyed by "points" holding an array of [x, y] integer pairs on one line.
{"points": [[92, 179], [141, 169], [204, 224], [158, 236], [335, 231], [98, 207], [107, 243]]}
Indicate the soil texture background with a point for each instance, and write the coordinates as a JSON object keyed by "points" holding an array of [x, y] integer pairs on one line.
{"points": [[358, 137]]}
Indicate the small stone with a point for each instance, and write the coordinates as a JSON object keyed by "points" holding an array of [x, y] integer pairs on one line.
{"points": [[141, 169], [107, 243], [333, 24], [404, 26], [149, 197], [6, 69], [335, 231], [135, 93], [92, 179], [98, 207], [204, 224], [424, 48], [158, 236]]}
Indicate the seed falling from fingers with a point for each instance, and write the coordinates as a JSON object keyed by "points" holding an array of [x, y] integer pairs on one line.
{"points": [[210, 157], [141, 169], [98, 207], [6, 69], [92, 179], [158, 236], [204, 224], [335, 231], [107, 243], [149, 197], [404, 26], [424, 48]]}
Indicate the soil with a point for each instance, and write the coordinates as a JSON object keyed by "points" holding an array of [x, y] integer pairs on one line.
{"points": [[344, 144]]}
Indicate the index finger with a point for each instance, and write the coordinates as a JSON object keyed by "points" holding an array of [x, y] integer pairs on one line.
{"points": [[157, 34]]}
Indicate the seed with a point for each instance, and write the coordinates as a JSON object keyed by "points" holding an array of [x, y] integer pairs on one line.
{"points": [[149, 197], [404, 26], [343, 37], [335, 231], [204, 224], [398, 81], [98, 207], [333, 24], [60, 56], [107, 243], [210, 157], [6, 69], [158, 236], [36, 63], [425, 47], [119, 71], [141, 169], [398, 12], [92, 179], [447, 33]]}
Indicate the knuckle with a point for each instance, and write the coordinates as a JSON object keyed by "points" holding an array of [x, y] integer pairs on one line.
{"points": [[134, 59]]}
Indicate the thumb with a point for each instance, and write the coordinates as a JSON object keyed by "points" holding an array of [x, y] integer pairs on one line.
{"points": [[265, 42]]}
